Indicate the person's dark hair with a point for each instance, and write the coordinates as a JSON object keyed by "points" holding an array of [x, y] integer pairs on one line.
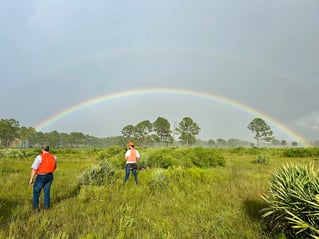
{"points": [[46, 148]]}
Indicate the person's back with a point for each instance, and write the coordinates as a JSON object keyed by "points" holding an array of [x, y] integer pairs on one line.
{"points": [[43, 167], [131, 157]]}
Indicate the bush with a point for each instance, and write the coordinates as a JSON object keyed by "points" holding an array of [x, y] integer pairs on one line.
{"points": [[19, 153], [293, 201], [166, 158], [244, 151], [111, 151], [158, 180], [301, 152], [206, 158], [261, 159], [182, 157], [99, 174]]}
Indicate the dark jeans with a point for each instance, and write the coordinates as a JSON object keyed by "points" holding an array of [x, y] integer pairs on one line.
{"points": [[42, 182], [127, 173]]}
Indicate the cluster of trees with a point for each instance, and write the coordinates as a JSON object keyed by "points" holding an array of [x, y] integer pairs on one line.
{"points": [[12, 135], [160, 131], [11, 132]]}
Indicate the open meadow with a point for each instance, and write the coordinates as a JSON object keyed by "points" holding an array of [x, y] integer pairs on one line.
{"points": [[179, 195]]}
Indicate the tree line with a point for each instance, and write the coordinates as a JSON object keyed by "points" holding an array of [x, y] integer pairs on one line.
{"points": [[12, 135], [145, 133]]}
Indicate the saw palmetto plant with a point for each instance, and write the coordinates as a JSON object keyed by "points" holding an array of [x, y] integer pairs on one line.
{"points": [[293, 200]]}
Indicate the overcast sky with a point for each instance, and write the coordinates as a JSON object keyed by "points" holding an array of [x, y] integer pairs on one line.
{"points": [[56, 54]]}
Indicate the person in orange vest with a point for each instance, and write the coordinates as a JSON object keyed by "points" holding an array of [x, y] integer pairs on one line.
{"points": [[43, 167], [131, 157]]}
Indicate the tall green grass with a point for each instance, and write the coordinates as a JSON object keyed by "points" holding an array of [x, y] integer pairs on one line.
{"points": [[183, 201]]}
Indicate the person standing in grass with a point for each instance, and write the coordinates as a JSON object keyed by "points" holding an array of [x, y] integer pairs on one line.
{"points": [[131, 157], [43, 167]]}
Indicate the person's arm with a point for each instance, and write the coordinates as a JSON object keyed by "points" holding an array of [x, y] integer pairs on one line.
{"points": [[127, 155], [55, 163], [34, 168], [33, 173]]}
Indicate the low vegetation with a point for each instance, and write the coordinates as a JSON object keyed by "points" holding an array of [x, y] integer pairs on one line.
{"points": [[293, 200], [183, 193]]}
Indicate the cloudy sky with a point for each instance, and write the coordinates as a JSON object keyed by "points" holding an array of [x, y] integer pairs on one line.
{"points": [[262, 55]]}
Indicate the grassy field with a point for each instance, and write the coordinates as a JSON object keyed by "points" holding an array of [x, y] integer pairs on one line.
{"points": [[177, 202]]}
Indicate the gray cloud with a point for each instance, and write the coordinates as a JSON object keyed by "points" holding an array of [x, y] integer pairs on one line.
{"points": [[57, 54]]}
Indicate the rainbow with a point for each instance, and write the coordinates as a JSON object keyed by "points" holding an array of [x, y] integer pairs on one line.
{"points": [[186, 92]]}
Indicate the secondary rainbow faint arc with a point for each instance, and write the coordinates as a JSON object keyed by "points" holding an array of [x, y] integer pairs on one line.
{"points": [[186, 92]]}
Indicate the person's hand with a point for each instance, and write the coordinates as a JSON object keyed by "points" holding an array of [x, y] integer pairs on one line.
{"points": [[31, 181]]}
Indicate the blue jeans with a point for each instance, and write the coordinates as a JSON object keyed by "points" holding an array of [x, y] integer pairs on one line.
{"points": [[127, 173], [42, 182]]}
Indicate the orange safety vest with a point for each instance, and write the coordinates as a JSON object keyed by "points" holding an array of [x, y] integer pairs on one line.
{"points": [[47, 164], [132, 156]]}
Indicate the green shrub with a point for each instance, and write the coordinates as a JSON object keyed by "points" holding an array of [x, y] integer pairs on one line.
{"points": [[206, 158], [99, 174], [301, 152], [111, 151], [244, 151], [181, 176], [261, 159], [117, 161], [18, 153], [158, 180], [182, 157], [158, 158], [293, 201]]}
